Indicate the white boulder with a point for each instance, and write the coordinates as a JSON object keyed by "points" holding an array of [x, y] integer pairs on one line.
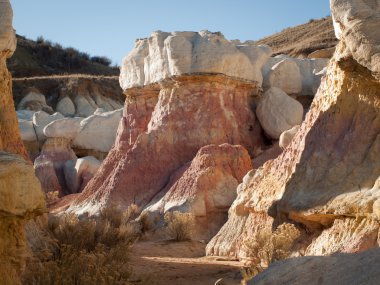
{"points": [[40, 120], [169, 54], [278, 112], [285, 75], [66, 107], [98, 132], [25, 115], [63, 128]]}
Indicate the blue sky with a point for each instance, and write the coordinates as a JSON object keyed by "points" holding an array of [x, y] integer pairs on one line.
{"points": [[110, 27]]}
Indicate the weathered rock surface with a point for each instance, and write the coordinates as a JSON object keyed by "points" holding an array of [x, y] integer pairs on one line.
{"points": [[66, 107], [277, 112], [21, 199], [98, 132], [78, 173], [357, 22], [205, 188], [278, 75], [285, 75], [63, 128], [34, 101], [164, 55], [340, 269], [287, 136], [10, 140], [165, 125], [40, 120], [50, 163], [328, 177]]}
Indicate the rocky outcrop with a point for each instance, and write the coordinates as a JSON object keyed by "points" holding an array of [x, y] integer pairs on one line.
{"points": [[322, 53], [35, 101], [295, 76], [356, 23], [165, 125], [340, 269], [328, 176], [164, 55], [277, 112], [10, 140], [21, 199], [49, 165], [205, 188]]}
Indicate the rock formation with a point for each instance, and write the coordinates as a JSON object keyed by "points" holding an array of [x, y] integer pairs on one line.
{"points": [[10, 140], [339, 269], [206, 188], [163, 127], [21, 197], [327, 178]]}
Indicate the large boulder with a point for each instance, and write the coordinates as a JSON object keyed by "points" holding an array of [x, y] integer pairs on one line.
{"points": [[204, 188], [162, 128], [40, 120], [340, 269], [164, 55], [63, 128], [98, 131], [278, 112], [357, 24], [285, 75], [327, 178], [276, 73], [21, 199]]}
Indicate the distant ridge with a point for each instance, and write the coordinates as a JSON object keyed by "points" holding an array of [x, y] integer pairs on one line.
{"points": [[299, 41]]}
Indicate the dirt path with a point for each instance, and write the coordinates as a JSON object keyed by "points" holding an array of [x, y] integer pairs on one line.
{"points": [[182, 263]]}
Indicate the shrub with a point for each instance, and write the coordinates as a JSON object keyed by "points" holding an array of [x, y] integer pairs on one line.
{"points": [[179, 226], [101, 60], [266, 247], [84, 251]]}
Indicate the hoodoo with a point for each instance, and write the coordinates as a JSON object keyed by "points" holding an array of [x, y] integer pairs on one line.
{"points": [[327, 179]]}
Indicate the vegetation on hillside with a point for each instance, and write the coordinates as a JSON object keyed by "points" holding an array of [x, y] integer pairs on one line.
{"points": [[42, 57], [299, 41]]}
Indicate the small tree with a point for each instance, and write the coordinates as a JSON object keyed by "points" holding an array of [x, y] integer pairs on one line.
{"points": [[179, 226]]}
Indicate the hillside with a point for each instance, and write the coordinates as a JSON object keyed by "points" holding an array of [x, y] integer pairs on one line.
{"points": [[42, 57], [299, 41]]}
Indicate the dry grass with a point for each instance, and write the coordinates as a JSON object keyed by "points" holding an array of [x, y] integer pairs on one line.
{"points": [[84, 251], [266, 247], [302, 40], [179, 226]]}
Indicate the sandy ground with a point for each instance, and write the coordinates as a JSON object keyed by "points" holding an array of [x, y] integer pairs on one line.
{"points": [[182, 263]]}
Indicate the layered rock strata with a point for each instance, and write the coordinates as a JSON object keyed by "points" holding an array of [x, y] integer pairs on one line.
{"points": [[163, 127], [21, 197], [327, 178]]}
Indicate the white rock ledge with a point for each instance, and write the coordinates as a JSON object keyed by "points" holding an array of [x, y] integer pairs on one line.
{"points": [[164, 55]]}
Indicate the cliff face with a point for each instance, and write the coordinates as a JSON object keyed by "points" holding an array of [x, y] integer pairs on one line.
{"points": [[327, 178], [21, 197]]}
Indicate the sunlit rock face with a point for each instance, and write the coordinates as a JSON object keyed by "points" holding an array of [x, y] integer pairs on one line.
{"points": [[204, 187], [9, 134], [328, 177], [164, 55], [163, 127], [21, 198]]}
